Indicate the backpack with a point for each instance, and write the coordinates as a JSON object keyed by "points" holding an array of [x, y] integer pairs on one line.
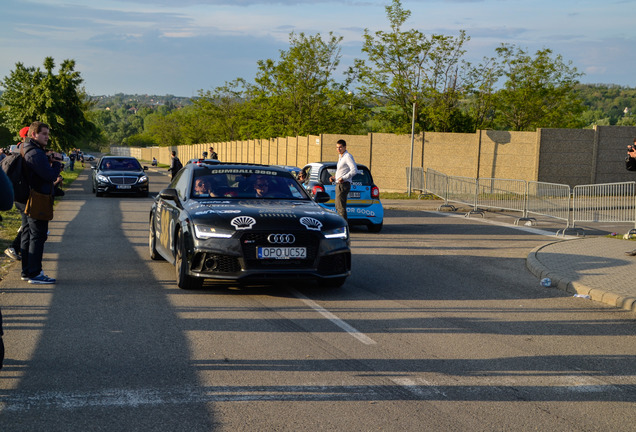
{"points": [[14, 167], [177, 165]]}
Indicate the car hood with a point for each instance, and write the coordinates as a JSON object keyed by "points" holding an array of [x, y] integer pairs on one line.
{"points": [[263, 215]]}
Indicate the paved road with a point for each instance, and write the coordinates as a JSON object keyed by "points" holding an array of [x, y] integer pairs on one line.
{"points": [[441, 327]]}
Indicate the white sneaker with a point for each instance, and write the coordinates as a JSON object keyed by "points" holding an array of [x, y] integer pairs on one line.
{"points": [[11, 253]]}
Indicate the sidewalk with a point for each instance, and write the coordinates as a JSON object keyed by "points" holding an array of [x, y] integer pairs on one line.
{"points": [[594, 266]]}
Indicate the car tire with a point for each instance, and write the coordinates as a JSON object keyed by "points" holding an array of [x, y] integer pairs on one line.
{"points": [[333, 283], [143, 194], [99, 194], [375, 228], [184, 281], [152, 242]]}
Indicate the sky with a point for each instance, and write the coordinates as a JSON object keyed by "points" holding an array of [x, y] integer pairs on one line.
{"points": [[180, 47]]}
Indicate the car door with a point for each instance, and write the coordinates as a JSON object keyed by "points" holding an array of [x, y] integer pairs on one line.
{"points": [[167, 214]]}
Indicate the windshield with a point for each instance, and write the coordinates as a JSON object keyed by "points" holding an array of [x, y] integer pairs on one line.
{"points": [[120, 164], [242, 183]]}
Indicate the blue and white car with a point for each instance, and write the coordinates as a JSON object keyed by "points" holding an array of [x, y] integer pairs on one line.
{"points": [[363, 203]]}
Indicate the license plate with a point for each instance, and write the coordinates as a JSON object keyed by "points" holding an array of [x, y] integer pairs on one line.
{"points": [[282, 252], [354, 195], [123, 187]]}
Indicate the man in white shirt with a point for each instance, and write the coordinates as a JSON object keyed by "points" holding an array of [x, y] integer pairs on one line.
{"points": [[345, 171]]}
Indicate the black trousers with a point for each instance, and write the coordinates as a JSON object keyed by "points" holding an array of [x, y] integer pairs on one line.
{"points": [[342, 191]]}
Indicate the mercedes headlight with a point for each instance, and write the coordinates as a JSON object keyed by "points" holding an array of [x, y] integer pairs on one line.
{"points": [[142, 179], [206, 232], [103, 178], [338, 233]]}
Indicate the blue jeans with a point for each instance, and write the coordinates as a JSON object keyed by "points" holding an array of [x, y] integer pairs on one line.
{"points": [[32, 240]]}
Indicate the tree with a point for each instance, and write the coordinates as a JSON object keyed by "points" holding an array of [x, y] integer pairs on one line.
{"points": [[539, 91], [224, 110], [298, 95], [56, 99], [407, 67]]}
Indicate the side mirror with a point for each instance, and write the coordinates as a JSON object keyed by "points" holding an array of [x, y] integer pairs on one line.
{"points": [[145, 168], [93, 167], [321, 197], [169, 194]]}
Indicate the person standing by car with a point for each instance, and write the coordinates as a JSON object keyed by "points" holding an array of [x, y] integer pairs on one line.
{"points": [[41, 173], [213, 154], [175, 164], [345, 170]]}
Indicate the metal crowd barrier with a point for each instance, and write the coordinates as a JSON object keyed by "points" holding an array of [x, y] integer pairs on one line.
{"points": [[463, 190], [418, 179], [504, 194], [610, 202], [437, 184], [549, 199]]}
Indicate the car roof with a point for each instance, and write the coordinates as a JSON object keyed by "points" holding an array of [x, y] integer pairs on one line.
{"points": [[235, 165]]}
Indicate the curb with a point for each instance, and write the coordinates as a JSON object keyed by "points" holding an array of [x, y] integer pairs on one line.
{"points": [[564, 284]]}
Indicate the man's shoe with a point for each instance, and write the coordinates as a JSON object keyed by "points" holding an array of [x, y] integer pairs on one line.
{"points": [[11, 253], [631, 253], [41, 279], [24, 278]]}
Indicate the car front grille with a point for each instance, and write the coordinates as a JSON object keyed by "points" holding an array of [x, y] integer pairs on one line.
{"points": [[250, 241], [123, 180]]}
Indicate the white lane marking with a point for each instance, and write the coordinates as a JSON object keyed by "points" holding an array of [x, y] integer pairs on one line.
{"points": [[334, 319]]}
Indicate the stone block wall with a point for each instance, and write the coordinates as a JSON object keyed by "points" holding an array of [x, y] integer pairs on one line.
{"points": [[563, 156]]}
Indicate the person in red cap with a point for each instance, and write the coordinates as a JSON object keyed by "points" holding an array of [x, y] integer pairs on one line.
{"points": [[24, 132]]}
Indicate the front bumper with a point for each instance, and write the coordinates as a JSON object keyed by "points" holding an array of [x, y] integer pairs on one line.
{"points": [[236, 259], [110, 188]]}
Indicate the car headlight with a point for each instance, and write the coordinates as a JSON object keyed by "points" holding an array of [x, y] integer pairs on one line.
{"points": [[205, 232], [339, 233], [102, 178], [142, 179]]}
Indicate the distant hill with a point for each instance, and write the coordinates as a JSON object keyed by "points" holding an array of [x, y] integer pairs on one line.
{"points": [[137, 100]]}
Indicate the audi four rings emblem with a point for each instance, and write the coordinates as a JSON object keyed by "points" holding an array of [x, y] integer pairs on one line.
{"points": [[281, 238]]}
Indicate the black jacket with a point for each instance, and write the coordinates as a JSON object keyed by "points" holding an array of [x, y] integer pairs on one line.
{"points": [[40, 172]]}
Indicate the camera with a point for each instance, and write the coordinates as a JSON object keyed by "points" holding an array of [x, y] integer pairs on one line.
{"points": [[56, 157]]}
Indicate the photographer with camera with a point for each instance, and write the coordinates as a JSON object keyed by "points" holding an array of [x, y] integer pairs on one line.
{"points": [[630, 164], [630, 160], [42, 171]]}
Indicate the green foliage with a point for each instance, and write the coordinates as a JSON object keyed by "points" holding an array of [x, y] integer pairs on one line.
{"points": [[406, 67], [298, 95], [538, 91], [609, 102], [56, 99], [140, 140]]}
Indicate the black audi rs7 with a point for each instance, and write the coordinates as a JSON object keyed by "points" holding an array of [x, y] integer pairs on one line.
{"points": [[246, 223]]}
